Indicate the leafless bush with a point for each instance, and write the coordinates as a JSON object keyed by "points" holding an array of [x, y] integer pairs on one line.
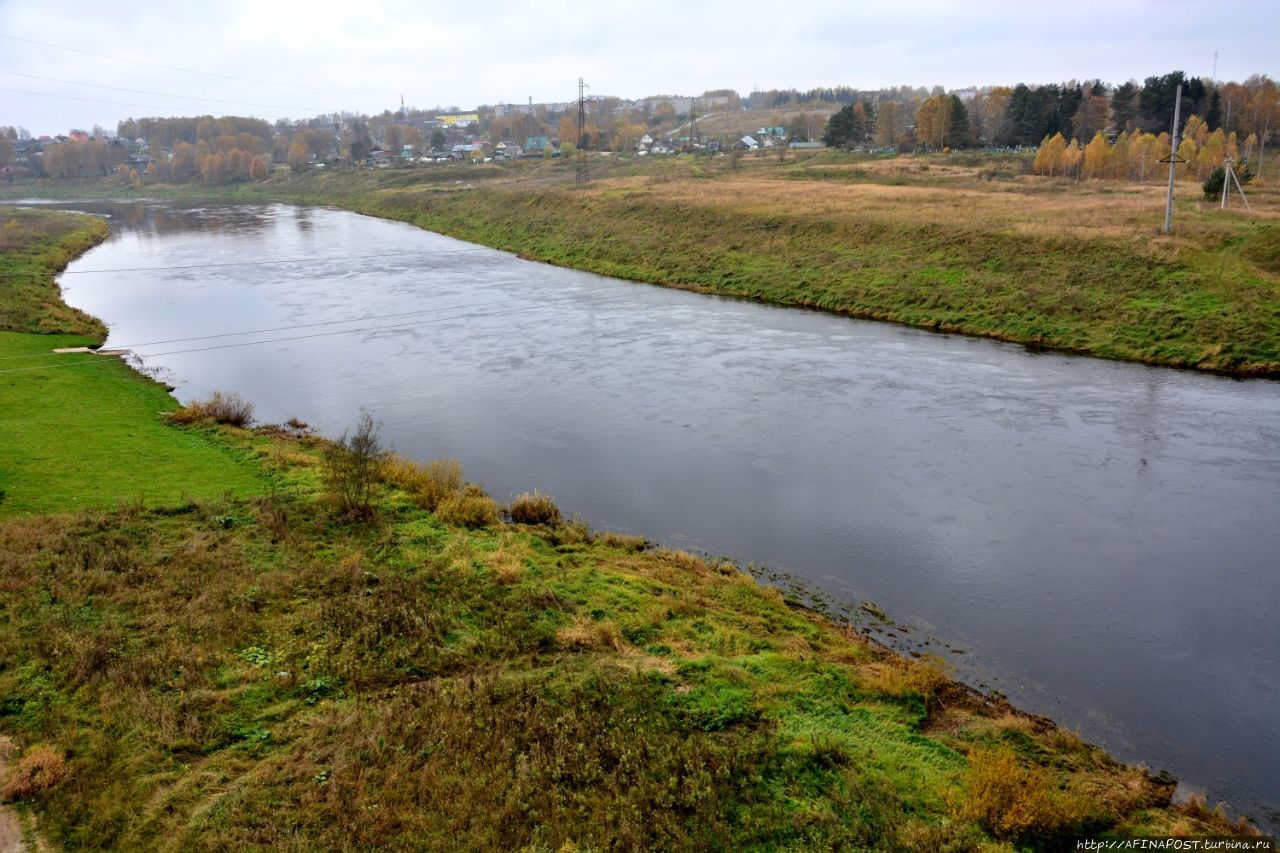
{"points": [[353, 466], [1016, 803]]}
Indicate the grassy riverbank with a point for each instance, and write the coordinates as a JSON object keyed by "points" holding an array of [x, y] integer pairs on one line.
{"points": [[82, 430], [259, 674], [269, 673], [955, 244]]}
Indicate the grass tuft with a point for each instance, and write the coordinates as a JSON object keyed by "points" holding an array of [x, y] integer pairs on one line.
{"points": [[535, 508], [471, 508], [228, 407], [430, 483]]}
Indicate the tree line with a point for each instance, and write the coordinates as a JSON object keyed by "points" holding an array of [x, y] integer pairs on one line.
{"points": [[1134, 156], [231, 148], [1025, 116]]}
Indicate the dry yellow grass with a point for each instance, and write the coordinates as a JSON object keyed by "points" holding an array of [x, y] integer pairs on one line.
{"points": [[1027, 205], [583, 632]]}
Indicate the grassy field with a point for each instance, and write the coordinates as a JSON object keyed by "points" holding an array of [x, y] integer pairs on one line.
{"points": [[83, 430]]}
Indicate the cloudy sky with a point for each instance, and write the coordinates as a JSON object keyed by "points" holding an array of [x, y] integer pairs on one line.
{"points": [[74, 63]]}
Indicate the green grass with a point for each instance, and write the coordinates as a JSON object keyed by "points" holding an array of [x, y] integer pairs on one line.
{"points": [[83, 430], [257, 675], [35, 244]]}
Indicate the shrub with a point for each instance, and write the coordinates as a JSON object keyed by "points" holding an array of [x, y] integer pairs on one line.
{"points": [[1016, 803], [535, 508], [470, 508], [229, 408], [353, 466], [430, 484], [41, 768]]}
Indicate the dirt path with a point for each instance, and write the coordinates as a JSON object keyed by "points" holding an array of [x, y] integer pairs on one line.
{"points": [[10, 828], [10, 832]]}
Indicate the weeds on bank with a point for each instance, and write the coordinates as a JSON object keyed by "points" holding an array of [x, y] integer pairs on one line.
{"points": [[34, 246], [1022, 804], [535, 508], [430, 483], [229, 408]]}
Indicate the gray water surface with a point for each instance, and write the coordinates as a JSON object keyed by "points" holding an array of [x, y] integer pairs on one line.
{"points": [[1100, 541]]}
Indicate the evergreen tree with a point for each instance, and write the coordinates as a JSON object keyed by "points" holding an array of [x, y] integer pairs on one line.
{"points": [[1124, 107], [1034, 113], [1159, 97], [1069, 99], [960, 135], [1213, 113], [842, 130]]}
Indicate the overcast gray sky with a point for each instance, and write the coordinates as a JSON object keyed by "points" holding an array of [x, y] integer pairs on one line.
{"points": [[74, 63]]}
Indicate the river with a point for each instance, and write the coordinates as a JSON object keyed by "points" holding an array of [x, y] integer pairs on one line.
{"points": [[1098, 541]]}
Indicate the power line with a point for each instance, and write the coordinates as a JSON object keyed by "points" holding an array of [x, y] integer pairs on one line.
{"points": [[186, 70], [317, 324], [82, 363], [252, 263], [324, 259], [263, 331], [160, 94], [324, 89], [98, 100]]}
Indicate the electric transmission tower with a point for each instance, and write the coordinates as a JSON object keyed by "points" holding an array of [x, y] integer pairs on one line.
{"points": [[581, 155]]}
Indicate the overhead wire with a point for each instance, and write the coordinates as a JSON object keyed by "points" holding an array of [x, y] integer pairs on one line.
{"points": [[381, 328], [186, 70], [258, 81], [424, 253], [98, 100], [383, 256], [160, 94]]}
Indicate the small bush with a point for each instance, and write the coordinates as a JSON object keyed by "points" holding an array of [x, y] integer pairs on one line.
{"points": [[229, 408], [41, 768], [535, 508], [1020, 804], [353, 466], [430, 484], [471, 508]]}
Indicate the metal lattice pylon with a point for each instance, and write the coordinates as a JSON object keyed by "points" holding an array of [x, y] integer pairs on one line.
{"points": [[581, 155]]}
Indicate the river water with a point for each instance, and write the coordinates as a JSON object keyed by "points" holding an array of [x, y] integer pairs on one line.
{"points": [[1098, 541]]}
